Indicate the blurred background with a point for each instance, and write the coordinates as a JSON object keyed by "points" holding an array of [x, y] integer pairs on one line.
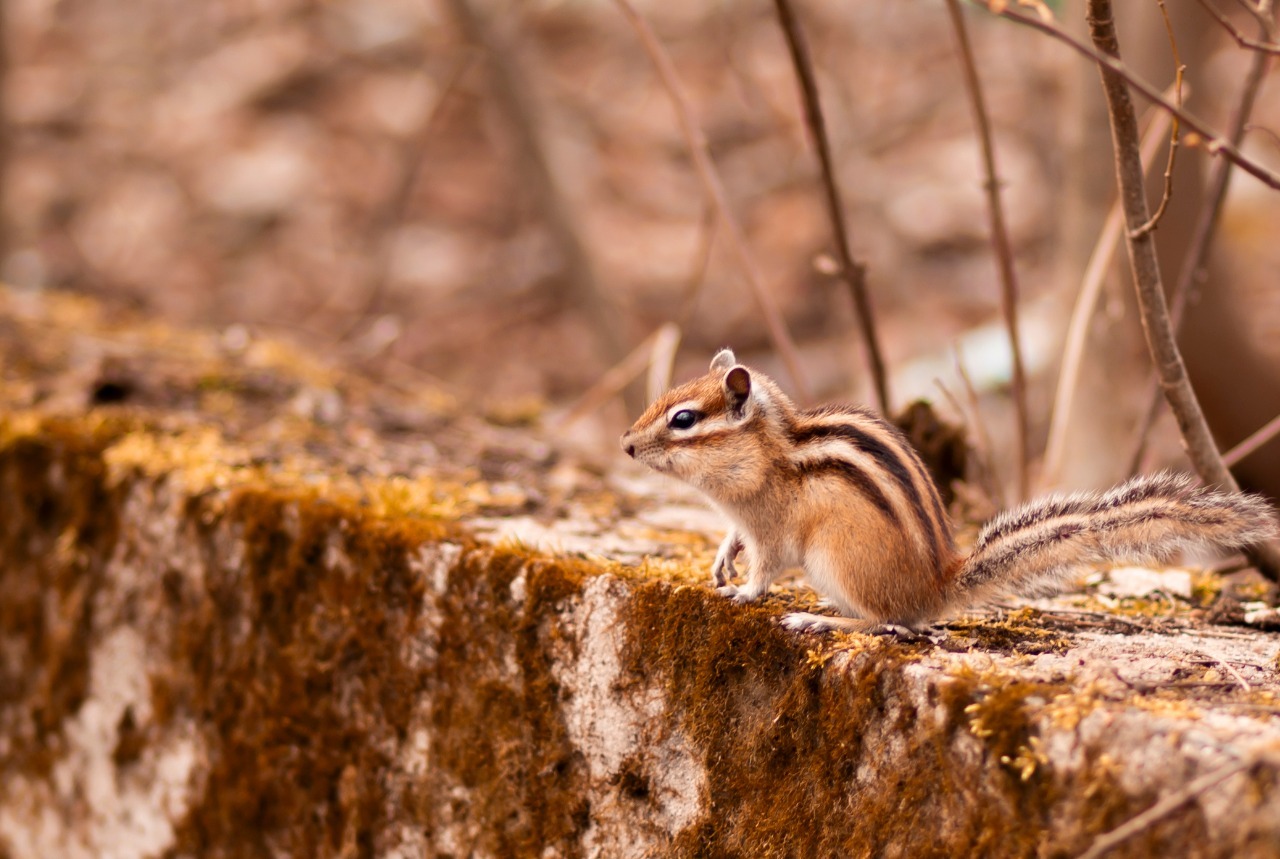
{"points": [[496, 197]]}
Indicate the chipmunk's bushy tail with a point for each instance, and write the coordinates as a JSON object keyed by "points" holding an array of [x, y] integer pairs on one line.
{"points": [[1034, 548]]}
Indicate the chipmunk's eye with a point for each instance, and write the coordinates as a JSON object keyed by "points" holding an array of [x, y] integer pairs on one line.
{"points": [[684, 419]]}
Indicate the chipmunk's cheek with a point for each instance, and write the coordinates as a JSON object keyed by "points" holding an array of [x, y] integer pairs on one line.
{"points": [[680, 465], [647, 456]]}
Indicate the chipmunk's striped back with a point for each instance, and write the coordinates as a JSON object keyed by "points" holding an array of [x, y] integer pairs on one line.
{"points": [[877, 461]]}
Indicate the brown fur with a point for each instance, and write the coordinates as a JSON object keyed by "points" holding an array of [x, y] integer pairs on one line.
{"points": [[841, 493]]}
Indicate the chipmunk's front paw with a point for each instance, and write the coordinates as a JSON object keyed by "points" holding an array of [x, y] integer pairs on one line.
{"points": [[739, 595], [723, 569]]}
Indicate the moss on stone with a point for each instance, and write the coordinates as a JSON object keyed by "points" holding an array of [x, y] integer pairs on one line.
{"points": [[1011, 632], [289, 662], [507, 741], [818, 750], [58, 527], [308, 647], [779, 736]]}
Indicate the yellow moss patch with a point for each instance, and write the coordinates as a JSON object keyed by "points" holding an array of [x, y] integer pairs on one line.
{"points": [[1205, 588], [395, 497], [203, 457], [1016, 631]]}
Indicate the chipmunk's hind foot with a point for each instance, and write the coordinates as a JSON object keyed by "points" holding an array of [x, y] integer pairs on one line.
{"points": [[803, 621]]}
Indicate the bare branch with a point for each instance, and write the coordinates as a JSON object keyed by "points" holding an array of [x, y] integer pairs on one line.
{"points": [[8, 127], [702, 262], [1193, 263], [994, 487], [1272, 137], [651, 351], [1082, 314], [1263, 14], [1228, 667], [852, 272], [1146, 276], [1241, 39], [662, 360], [1212, 143], [1000, 241], [714, 189]]}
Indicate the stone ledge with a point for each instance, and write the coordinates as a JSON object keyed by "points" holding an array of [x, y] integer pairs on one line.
{"points": [[206, 649]]}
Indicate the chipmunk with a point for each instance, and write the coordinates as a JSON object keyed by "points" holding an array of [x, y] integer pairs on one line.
{"points": [[840, 492]]}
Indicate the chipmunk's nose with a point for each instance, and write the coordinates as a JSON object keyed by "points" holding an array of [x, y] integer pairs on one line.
{"points": [[628, 446]]}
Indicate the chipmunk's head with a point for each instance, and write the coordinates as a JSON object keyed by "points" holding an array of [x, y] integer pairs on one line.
{"points": [[711, 432]]}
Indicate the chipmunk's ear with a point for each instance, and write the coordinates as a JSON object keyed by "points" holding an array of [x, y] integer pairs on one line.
{"points": [[723, 360], [737, 388]]}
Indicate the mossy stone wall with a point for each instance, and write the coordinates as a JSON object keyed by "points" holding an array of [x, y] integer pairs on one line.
{"points": [[202, 667]]}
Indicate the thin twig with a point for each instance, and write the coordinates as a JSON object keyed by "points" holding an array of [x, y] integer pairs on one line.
{"points": [[1212, 143], [617, 377], [8, 128], [984, 468], [392, 213], [1272, 137], [852, 272], [1082, 314], [1165, 807], [702, 262], [1000, 241], [980, 427], [1256, 440], [1178, 69], [662, 360], [1215, 661], [1194, 261], [1146, 276], [1239, 677], [1244, 684], [1241, 39], [1263, 14], [714, 189], [514, 95]]}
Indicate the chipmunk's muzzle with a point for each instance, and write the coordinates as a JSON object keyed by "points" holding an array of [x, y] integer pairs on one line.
{"points": [[627, 445]]}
